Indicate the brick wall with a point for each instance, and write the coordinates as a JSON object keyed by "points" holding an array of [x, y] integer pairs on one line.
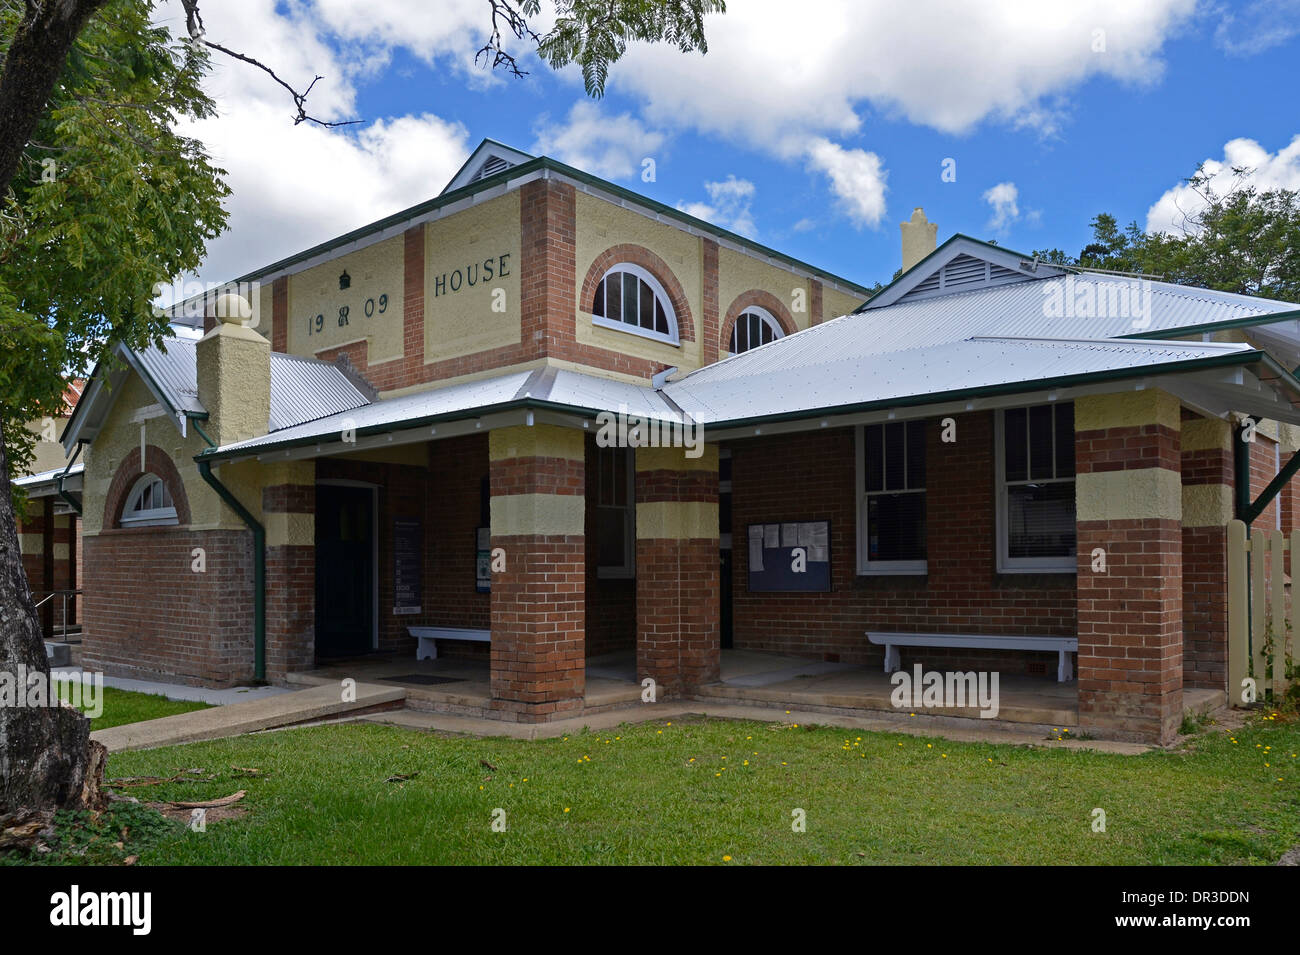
{"points": [[148, 614], [811, 477]]}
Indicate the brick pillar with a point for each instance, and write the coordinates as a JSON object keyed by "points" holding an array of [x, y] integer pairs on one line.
{"points": [[537, 480], [677, 568], [289, 516], [1207, 507], [1129, 504], [710, 314], [548, 263]]}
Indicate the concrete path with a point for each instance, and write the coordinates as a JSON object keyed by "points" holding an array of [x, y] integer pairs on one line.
{"points": [[284, 709], [471, 726], [175, 691]]}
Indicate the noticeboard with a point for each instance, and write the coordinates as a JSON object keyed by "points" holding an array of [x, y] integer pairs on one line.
{"points": [[408, 565], [790, 555]]}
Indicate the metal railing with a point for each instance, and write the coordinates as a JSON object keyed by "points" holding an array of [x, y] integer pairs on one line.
{"points": [[64, 595]]}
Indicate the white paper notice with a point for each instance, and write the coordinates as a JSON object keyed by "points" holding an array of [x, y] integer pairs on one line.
{"points": [[771, 535], [756, 548], [805, 534], [790, 535]]}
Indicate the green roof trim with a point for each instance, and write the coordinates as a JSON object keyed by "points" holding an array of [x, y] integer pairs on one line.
{"points": [[937, 397], [545, 164], [1264, 318]]}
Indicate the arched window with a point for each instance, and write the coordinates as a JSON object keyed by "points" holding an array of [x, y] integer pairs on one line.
{"points": [[754, 326], [630, 299], [149, 504]]}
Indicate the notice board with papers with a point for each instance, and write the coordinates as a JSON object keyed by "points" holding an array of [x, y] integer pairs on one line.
{"points": [[790, 555]]}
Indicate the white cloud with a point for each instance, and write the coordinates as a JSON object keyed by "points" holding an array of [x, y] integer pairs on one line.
{"points": [[1280, 170], [1254, 27], [1002, 198], [729, 206], [608, 146], [294, 186], [857, 179], [771, 78]]}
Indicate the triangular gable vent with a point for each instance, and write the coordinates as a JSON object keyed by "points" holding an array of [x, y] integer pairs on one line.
{"points": [[491, 167], [963, 273]]}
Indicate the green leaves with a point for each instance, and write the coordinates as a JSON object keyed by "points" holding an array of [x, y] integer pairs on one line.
{"points": [[110, 199], [595, 33]]}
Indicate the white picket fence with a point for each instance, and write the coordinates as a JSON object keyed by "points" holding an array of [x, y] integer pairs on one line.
{"points": [[1263, 620]]}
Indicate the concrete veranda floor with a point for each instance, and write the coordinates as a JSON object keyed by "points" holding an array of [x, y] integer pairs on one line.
{"points": [[748, 677]]}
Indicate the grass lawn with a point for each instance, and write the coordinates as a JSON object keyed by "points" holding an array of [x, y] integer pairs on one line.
{"points": [[127, 706], [712, 791]]}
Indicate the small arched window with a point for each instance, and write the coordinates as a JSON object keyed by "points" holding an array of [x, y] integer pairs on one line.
{"points": [[630, 299], [149, 504], [754, 326]]}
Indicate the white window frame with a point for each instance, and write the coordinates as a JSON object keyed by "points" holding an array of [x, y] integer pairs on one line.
{"points": [[866, 566], [672, 338], [627, 569], [767, 318], [154, 516], [1007, 564]]}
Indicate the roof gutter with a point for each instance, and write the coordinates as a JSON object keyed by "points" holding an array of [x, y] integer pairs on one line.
{"points": [[259, 554], [58, 482]]}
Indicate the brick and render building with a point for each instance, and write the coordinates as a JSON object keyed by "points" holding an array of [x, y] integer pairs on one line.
{"points": [[405, 427], [49, 531]]}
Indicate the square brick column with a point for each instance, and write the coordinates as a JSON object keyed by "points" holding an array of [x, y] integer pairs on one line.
{"points": [[1207, 508], [537, 479], [1129, 504], [289, 516], [677, 568]]}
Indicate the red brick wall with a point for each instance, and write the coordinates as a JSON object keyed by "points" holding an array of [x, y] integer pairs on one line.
{"points": [[538, 603], [810, 477], [1130, 618], [1205, 584], [290, 587], [677, 589], [148, 614]]}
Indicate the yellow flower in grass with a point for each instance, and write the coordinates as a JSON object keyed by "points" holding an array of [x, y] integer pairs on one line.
{"points": [[726, 858], [566, 808]]}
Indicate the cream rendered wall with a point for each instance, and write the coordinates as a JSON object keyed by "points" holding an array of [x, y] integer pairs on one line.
{"points": [[469, 244], [835, 304], [601, 224], [377, 285], [48, 453], [739, 273]]}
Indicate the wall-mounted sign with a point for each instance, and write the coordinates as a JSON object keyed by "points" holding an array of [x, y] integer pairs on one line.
{"points": [[408, 565], [476, 273], [483, 560]]}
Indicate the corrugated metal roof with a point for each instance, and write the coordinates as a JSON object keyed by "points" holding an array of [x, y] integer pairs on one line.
{"points": [[302, 389], [42, 476], [811, 379], [174, 372]]}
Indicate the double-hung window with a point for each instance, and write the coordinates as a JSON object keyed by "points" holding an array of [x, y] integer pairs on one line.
{"points": [[891, 498], [615, 513], [1035, 489]]}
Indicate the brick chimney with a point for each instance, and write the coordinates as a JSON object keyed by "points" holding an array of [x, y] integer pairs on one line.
{"points": [[918, 238], [234, 375]]}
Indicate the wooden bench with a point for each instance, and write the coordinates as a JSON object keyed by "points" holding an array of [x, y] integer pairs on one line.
{"points": [[1064, 646], [426, 649]]}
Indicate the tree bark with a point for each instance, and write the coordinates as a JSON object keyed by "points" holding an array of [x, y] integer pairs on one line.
{"points": [[47, 759], [32, 67]]}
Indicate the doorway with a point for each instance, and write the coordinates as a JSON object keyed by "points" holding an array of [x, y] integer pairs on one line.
{"points": [[346, 549]]}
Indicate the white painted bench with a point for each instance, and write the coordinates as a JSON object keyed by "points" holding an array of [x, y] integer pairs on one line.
{"points": [[1064, 646], [426, 649]]}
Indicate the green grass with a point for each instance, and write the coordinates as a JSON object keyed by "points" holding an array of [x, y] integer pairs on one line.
{"points": [[128, 706], [661, 793]]}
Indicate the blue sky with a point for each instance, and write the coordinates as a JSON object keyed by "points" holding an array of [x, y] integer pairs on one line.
{"points": [[819, 136]]}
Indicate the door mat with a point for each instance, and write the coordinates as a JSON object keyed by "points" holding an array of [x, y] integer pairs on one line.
{"points": [[422, 679]]}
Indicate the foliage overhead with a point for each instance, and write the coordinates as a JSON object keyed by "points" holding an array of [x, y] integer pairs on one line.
{"points": [[110, 200]]}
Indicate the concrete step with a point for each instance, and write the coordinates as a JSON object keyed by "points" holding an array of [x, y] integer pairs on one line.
{"points": [[59, 654], [235, 719]]}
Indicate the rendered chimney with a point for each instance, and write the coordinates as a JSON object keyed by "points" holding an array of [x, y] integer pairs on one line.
{"points": [[918, 238], [234, 375]]}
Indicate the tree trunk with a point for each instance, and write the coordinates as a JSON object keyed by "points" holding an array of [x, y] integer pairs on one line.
{"points": [[47, 759], [31, 68]]}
